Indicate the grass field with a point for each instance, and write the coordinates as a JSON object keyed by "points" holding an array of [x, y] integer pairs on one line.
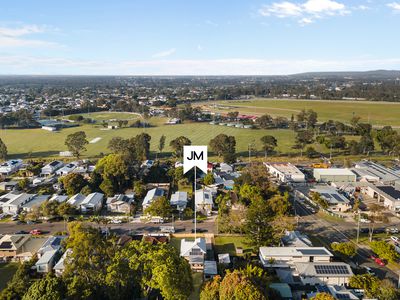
{"points": [[228, 244], [6, 273], [378, 113]]}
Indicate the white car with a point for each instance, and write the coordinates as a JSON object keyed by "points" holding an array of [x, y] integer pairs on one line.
{"points": [[116, 221], [362, 220], [395, 239], [369, 270]]}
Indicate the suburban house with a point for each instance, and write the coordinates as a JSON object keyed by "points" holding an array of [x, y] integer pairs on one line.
{"points": [[332, 273], [194, 252], [59, 198], [8, 185], [120, 203], [295, 239], [225, 179], [60, 265], [334, 175], [68, 168], [46, 261], [204, 201], [337, 291], [224, 167], [337, 202], [10, 167], [285, 172], [36, 201], [12, 202], [283, 257], [152, 195], [91, 203], [19, 247], [51, 168], [179, 200]]}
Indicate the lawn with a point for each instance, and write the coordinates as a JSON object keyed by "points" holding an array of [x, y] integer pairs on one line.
{"points": [[39, 143], [197, 282], [378, 113], [107, 116], [228, 244], [6, 273]]}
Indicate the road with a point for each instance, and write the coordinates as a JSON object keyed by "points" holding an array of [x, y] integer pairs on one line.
{"points": [[331, 231], [136, 227]]}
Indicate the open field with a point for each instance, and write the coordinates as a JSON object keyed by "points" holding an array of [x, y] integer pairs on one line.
{"points": [[228, 244], [109, 115], [6, 273], [378, 113], [39, 143]]}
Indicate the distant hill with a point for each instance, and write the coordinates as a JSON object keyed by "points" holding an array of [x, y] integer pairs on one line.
{"points": [[377, 74]]}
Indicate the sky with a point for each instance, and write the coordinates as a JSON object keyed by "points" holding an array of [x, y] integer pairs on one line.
{"points": [[203, 37]]}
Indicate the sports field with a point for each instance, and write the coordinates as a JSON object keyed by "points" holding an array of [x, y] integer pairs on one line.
{"points": [[41, 143], [378, 113]]}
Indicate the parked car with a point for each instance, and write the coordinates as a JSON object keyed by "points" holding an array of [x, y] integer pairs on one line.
{"points": [[35, 232], [14, 218], [392, 230], [362, 220], [22, 232], [364, 230], [378, 260], [29, 222], [116, 221], [369, 270], [395, 239], [200, 230], [379, 230]]}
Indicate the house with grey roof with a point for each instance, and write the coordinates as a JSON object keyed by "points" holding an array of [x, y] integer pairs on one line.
{"points": [[283, 257], [12, 202], [204, 201], [51, 168], [152, 195], [179, 200]]}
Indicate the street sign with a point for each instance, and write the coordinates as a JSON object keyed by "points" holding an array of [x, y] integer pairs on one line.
{"points": [[194, 156]]}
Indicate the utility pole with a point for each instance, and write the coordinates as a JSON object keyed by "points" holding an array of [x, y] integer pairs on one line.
{"points": [[358, 227]]}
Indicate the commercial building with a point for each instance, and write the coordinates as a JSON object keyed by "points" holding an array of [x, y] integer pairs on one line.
{"points": [[334, 175], [337, 202], [376, 173], [285, 172]]}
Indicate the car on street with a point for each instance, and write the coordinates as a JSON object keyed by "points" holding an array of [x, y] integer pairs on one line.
{"points": [[364, 230], [22, 232], [392, 230], [369, 270], [200, 230], [14, 218], [395, 239], [30, 222], [377, 260], [35, 232], [116, 221]]}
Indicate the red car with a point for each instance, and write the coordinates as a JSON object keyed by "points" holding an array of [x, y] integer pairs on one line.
{"points": [[35, 232], [378, 260]]}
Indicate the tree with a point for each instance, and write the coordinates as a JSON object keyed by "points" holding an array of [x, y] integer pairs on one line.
{"points": [[257, 226], [317, 199], [269, 143], [385, 250], [76, 143], [209, 179], [323, 296], [177, 145], [161, 143], [210, 289], [3, 150], [23, 183], [160, 207], [19, 283], [311, 152], [225, 146], [118, 145], [49, 208], [141, 145], [366, 143], [139, 189], [73, 183], [348, 249], [48, 288], [264, 121], [114, 171], [309, 117], [304, 138], [235, 285]]}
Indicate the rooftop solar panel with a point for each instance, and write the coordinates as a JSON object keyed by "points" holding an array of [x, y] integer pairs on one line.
{"points": [[332, 269], [313, 252]]}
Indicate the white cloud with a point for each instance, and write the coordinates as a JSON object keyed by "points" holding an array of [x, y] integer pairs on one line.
{"points": [[306, 12], [165, 53], [362, 7], [395, 6], [233, 66], [16, 36]]}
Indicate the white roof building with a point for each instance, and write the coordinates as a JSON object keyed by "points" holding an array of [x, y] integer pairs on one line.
{"points": [[334, 175], [373, 172], [282, 257], [152, 195], [11, 166], [12, 202], [204, 201], [337, 202], [285, 172], [50, 168], [92, 203], [68, 168]]}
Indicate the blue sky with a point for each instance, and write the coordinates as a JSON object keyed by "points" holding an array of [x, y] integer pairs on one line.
{"points": [[207, 37]]}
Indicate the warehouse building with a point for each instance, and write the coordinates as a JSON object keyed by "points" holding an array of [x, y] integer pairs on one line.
{"points": [[334, 175]]}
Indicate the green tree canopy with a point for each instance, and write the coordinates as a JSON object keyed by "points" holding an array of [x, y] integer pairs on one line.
{"points": [[76, 143]]}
